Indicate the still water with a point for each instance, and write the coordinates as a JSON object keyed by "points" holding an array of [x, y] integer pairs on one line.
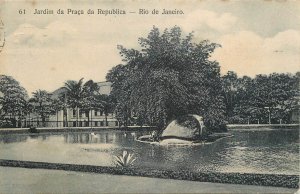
{"points": [[251, 151]]}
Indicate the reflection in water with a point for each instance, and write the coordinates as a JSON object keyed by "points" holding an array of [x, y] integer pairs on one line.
{"points": [[93, 138], [12, 138], [272, 151]]}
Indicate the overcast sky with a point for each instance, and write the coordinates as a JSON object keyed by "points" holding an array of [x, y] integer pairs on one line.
{"points": [[43, 51]]}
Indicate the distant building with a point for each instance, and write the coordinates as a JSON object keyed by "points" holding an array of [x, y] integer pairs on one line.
{"points": [[92, 118], [105, 87]]}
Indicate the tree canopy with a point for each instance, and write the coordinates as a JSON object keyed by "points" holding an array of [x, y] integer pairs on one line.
{"points": [[169, 76], [13, 99], [42, 104], [255, 99]]}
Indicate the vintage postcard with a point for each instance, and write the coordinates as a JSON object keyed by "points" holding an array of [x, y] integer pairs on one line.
{"points": [[135, 96]]}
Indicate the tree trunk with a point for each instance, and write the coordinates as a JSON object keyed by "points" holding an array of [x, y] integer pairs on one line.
{"points": [[77, 112], [15, 124], [106, 123], [65, 117], [43, 121], [89, 117], [29, 120], [20, 122], [56, 118]]}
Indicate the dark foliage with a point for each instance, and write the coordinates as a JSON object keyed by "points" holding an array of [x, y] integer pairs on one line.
{"points": [[170, 76], [13, 102], [263, 99]]}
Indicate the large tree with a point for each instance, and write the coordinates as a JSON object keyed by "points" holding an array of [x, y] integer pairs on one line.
{"points": [[105, 104], [169, 76], [89, 98], [58, 105], [230, 86], [42, 105], [13, 101], [75, 95]]}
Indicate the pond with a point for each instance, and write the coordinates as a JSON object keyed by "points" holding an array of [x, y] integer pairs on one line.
{"points": [[250, 151]]}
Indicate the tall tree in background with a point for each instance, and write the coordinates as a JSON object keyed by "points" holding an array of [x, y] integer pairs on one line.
{"points": [[230, 86], [107, 105], [13, 100], [121, 92], [75, 95], [241, 111], [42, 104], [264, 99], [90, 91], [170, 76], [57, 105]]}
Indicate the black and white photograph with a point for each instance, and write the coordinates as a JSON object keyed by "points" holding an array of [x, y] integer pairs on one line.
{"points": [[162, 96]]}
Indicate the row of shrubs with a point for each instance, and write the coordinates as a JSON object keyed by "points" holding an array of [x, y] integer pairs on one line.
{"points": [[276, 180]]}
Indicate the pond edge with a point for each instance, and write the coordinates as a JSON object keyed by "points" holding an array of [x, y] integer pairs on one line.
{"points": [[275, 180]]}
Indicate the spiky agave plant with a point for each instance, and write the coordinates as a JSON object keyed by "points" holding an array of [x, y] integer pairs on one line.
{"points": [[125, 160]]}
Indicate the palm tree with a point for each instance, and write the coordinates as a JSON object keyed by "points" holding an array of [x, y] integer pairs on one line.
{"points": [[41, 102], [107, 105], [57, 106], [90, 90], [64, 106], [75, 94], [28, 109]]}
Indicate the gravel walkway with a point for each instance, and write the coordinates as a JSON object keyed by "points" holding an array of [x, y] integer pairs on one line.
{"points": [[21, 180]]}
